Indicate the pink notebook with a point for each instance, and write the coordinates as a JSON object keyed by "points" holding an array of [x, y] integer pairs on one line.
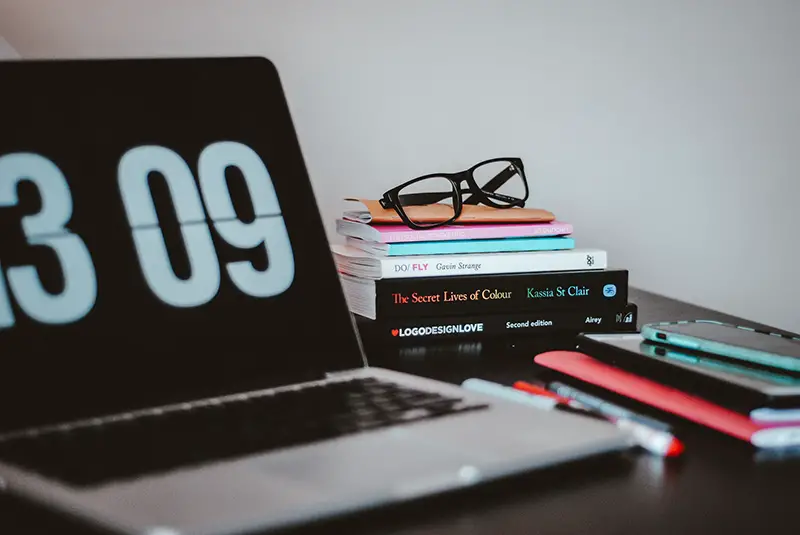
{"points": [[668, 399], [484, 231]]}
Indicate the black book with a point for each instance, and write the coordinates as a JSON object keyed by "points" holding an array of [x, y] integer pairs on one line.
{"points": [[487, 294], [511, 325]]}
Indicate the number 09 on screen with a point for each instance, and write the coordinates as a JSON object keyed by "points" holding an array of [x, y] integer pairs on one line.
{"points": [[195, 208]]}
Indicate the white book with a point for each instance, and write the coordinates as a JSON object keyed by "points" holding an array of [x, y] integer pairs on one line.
{"points": [[370, 247], [351, 261], [360, 295]]}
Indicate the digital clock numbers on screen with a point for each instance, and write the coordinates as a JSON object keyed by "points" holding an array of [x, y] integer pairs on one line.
{"points": [[195, 208]]}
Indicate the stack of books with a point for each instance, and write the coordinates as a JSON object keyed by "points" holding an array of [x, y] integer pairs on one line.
{"points": [[480, 280]]}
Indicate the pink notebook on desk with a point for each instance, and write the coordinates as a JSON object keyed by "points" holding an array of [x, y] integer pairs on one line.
{"points": [[390, 233], [668, 399]]}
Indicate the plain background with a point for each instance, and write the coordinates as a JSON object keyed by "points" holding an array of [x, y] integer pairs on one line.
{"points": [[666, 132], [6, 51]]}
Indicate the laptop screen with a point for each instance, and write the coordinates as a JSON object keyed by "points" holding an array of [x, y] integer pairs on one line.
{"points": [[159, 238]]}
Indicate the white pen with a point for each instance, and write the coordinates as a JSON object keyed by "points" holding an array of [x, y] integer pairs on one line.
{"points": [[655, 441]]}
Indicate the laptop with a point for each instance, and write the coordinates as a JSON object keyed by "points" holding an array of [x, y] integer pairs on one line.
{"points": [[177, 354]]}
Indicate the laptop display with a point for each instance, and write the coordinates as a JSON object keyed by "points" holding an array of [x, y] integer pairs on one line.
{"points": [[159, 239]]}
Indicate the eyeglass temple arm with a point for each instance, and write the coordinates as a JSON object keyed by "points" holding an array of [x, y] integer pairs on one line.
{"points": [[414, 199], [499, 179]]}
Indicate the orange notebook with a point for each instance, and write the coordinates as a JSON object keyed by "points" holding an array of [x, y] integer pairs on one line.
{"points": [[432, 213]]}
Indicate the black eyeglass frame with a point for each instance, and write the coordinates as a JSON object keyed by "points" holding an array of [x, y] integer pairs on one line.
{"points": [[485, 195]]}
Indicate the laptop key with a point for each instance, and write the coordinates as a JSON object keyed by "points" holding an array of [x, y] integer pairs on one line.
{"points": [[169, 440]]}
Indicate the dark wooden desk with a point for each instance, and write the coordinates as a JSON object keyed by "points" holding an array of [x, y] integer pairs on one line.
{"points": [[720, 485]]}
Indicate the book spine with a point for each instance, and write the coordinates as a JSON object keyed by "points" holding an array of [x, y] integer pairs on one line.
{"points": [[499, 245], [483, 326], [477, 232], [500, 293], [492, 263]]}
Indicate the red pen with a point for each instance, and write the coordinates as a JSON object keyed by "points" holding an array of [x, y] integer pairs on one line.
{"points": [[656, 441], [541, 391]]}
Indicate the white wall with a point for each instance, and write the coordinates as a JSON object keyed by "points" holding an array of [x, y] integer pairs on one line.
{"points": [[6, 51], [667, 132]]}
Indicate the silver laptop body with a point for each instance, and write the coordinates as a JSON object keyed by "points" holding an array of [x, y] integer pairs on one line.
{"points": [[132, 160]]}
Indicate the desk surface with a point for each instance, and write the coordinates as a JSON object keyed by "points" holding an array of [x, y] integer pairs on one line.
{"points": [[718, 486]]}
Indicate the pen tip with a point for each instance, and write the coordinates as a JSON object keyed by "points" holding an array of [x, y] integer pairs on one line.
{"points": [[675, 448]]}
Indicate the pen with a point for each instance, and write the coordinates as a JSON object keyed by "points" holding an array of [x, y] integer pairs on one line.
{"points": [[653, 435], [655, 441], [573, 397], [505, 392], [540, 402], [604, 407], [537, 390]]}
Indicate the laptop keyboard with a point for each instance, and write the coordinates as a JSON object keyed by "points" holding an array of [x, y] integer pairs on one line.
{"points": [[159, 442]]}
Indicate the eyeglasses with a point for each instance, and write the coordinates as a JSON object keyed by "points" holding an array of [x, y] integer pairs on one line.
{"points": [[499, 183]]}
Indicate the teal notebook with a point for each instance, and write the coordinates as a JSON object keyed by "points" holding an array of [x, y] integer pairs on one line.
{"points": [[499, 245]]}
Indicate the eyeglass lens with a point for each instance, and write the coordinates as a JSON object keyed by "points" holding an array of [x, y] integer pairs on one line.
{"points": [[429, 201], [501, 177]]}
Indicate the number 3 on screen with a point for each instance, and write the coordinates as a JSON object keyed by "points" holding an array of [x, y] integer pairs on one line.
{"points": [[47, 227], [268, 229]]}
